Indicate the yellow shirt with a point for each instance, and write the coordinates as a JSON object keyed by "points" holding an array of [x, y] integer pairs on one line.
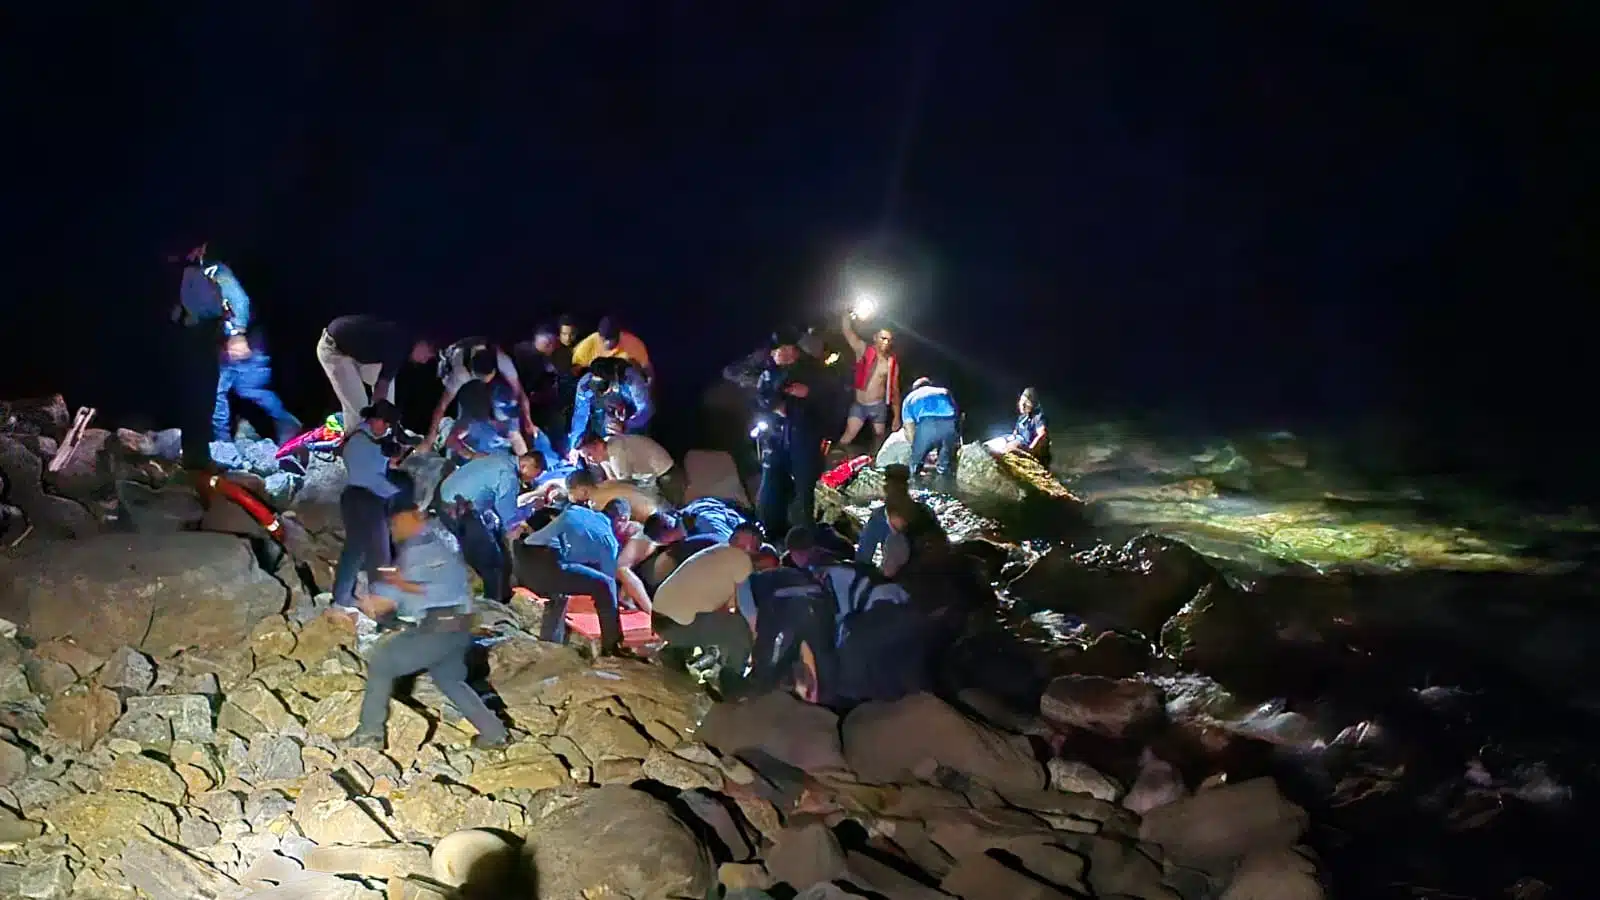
{"points": [[628, 347]]}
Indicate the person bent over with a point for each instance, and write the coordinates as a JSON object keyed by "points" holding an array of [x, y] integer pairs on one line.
{"points": [[576, 553], [427, 601]]}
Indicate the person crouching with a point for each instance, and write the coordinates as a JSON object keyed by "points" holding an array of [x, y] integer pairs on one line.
{"points": [[427, 600]]}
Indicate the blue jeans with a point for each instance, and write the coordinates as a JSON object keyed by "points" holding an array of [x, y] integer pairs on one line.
{"points": [[366, 542], [543, 571], [249, 378], [936, 433]]}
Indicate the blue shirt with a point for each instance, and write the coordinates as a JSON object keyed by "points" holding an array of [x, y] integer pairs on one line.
{"points": [[238, 321], [872, 534], [365, 465], [711, 516], [928, 402], [1028, 427], [637, 391], [432, 560], [582, 536], [489, 483], [199, 295]]}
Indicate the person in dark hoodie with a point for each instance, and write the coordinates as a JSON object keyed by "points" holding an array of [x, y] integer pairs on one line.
{"points": [[789, 430]]}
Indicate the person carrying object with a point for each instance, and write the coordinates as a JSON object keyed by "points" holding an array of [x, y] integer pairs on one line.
{"points": [[478, 502], [362, 351], [368, 457], [427, 602], [933, 421]]}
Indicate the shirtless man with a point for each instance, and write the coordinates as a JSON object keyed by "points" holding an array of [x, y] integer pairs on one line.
{"points": [[877, 384]]}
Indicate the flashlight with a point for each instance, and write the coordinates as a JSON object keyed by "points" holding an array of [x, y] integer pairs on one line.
{"points": [[832, 358], [866, 303], [760, 428]]}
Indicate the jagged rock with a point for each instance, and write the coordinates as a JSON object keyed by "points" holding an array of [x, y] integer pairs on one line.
{"points": [[372, 861], [801, 734], [146, 728], [51, 516], [1119, 708], [46, 879], [156, 511], [982, 877], [887, 741], [47, 416], [483, 860], [536, 770], [167, 874], [103, 822], [602, 735], [188, 714], [82, 715], [15, 830], [196, 832], [273, 758], [560, 848], [430, 809], [1079, 778], [127, 670], [88, 472], [159, 593], [71, 654], [147, 777], [671, 769], [1225, 823], [1136, 587]]}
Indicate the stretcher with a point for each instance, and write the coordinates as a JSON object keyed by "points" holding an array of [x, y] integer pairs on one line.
{"points": [[582, 618]]}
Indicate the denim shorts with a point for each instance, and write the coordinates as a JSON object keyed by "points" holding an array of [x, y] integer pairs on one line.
{"points": [[877, 413]]}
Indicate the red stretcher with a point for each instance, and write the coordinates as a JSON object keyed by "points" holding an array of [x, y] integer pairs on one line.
{"points": [[582, 618]]}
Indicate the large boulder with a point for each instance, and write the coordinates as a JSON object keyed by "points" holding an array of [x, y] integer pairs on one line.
{"points": [[913, 736], [1136, 587], [157, 592], [615, 841], [22, 472]]}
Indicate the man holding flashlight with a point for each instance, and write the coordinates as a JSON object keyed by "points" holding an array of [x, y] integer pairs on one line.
{"points": [[791, 451], [877, 379]]}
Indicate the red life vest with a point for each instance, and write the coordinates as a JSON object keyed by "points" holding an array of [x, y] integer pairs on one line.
{"points": [[865, 366]]}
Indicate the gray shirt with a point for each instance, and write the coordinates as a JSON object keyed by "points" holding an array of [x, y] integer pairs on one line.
{"points": [[366, 466], [431, 560]]}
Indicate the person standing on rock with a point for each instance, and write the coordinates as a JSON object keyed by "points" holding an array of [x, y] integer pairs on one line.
{"points": [[789, 433], [877, 384], [479, 500], [201, 311], [428, 599], [576, 553], [244, 366], [933, 420], [362, 351], [363, 503]]}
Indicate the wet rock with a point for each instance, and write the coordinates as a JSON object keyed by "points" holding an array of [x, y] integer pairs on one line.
{"points": [[164, 873], [561, 848], [1136, 587], [1115, 708], [1225, 823], [82, 715], [158, 593], [801, 734], [887, 741], [473, 857]]}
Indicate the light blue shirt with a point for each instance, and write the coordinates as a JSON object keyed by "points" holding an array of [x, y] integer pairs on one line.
{"points": [[490, 483], [233, 294], [365, 465], [928, 402], [637, 390], [582, 536], [432, 560]]}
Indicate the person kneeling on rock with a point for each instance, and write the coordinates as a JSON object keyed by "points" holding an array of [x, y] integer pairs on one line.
{"points": [[428, 599]]}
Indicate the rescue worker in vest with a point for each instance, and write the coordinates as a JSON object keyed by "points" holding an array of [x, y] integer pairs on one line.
{"points": [[427, 600], [245, 368], [201, 312], [877, 384], [476, 359], [575, 553], [368, 454], [932, 422], [787, 430], [479, 501]]}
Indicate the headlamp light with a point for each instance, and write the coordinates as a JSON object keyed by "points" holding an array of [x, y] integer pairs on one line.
{"points": [[866, 303]]}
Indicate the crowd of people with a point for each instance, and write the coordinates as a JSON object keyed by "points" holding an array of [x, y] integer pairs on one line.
{"points": [[554, 486]]}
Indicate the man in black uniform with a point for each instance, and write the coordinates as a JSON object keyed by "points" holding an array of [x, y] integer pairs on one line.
{"points": [[788, 391]]}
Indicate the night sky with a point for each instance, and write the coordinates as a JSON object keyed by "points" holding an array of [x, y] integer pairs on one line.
{"points": [[1246, 214]]}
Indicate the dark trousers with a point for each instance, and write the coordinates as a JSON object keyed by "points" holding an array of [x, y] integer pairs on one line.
{"points": [[484, 549], [543, 571], [366, 542], [936, 433], [787, 496], [782, 625], [443, 655], [200, 352], [727, 632]]}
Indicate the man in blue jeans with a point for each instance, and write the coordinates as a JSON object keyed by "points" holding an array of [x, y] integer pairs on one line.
{"points": [[576, 553], [932, 420], [245, 369]]}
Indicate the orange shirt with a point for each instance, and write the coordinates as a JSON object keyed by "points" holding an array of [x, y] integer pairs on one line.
{"points": [[629, 347]]}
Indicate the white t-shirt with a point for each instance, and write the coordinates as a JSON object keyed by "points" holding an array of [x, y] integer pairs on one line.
{"points": [[705, 582], [636, 456]]}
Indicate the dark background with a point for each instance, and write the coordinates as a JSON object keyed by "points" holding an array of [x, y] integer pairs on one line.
{"points": [[1371, 218]]}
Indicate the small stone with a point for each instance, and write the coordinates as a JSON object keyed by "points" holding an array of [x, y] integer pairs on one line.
{"points": [[188, 714], [273, 758], [82, 715], [128, 671], [147, 777], [483, 855]]}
